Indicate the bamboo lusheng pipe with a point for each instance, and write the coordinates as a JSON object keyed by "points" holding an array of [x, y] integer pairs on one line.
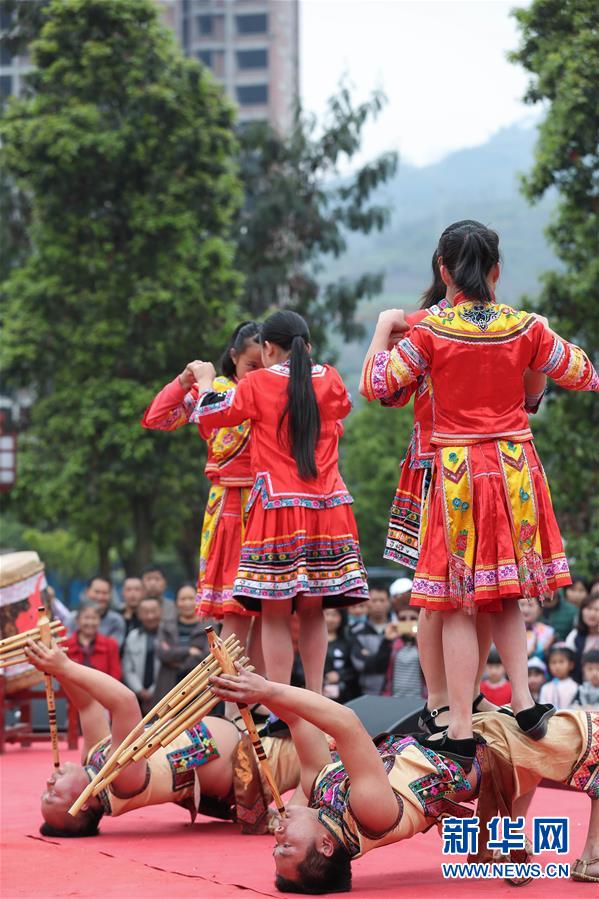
{"points": [[173, 729], [149, 750], [159, 709], [43, 623], [7, 657], [160, 735], [20, 640], [152, 736], [191, 691], [220, 652], [194, 713], [20, 659]]}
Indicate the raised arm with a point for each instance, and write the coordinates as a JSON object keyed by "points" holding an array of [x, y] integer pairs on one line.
{"points": [[390, 327], [361, 760], [388, 371], [565, 363], [110, 694], [170, 409], [92, 714], [221, 410]]}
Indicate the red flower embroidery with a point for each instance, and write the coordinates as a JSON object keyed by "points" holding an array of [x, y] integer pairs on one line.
{"points": [[461, 542], [526, 531]]}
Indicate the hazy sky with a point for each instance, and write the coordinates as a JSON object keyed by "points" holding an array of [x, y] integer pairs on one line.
{"points": [[442, 64]]}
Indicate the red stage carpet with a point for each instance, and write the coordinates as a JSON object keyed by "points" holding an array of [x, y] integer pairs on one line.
{"points": [[156, 853]]}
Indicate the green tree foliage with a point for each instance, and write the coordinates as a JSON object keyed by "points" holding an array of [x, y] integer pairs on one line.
{"points": [[298, 211], [125, 151], [376, 440], [560, 48]]}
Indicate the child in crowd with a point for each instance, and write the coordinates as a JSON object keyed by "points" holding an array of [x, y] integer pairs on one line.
{"points": [[539, 636], [495, 686], [340, 676], [585, 636], [228, 469], [588, 694], [562, 688], [400, 592], [300, 550], [560, 614], [577, 591], [366, 638], [537, 676], [404, 674], [357, 613]]}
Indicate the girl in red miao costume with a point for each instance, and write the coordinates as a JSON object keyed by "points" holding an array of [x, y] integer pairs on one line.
{"points": [[300, 551], [489, 531], [403, 535], [229, 472]]}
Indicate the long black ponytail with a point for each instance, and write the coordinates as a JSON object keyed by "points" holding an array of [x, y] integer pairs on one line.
{"points": [[437, 289], [469, 250], [244, 333], [289, 331]]}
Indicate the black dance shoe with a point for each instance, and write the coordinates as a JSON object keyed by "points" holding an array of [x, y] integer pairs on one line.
{"points": [[533, 721], [461, 751], [502, 709], [426, 719]]}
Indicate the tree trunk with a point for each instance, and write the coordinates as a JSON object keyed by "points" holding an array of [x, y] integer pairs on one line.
{"points": [[143, 531], [188, 548], [103, 557]]}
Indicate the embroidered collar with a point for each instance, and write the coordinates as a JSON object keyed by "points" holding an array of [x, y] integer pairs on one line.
{"points": [[462, 298], [283, 368]]}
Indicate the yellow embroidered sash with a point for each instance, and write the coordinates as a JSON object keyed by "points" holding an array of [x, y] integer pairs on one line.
{"points": [[459, 524], [520, 491], [227, 442]]}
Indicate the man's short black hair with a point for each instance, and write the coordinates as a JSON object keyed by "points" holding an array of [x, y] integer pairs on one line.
{"points": [[150, 568], [381, 586], [151, 599], [320, 873], [494, 658], [85, 824], [99, 577], [591, 657]]}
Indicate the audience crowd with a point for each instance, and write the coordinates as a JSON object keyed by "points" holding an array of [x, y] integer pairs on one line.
{"points": [[151, 642]]}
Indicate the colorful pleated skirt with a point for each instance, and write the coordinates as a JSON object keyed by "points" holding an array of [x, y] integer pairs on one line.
{"points": [[403, 533], [489, 531], [291, 551], [222, 535]]}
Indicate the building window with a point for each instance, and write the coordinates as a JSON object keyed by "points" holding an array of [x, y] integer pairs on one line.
{"points": [[5, 87], [252, 94], [252, 59], [5, 56], [5, 19], [205, 57], [252, 24], [205, 24]]}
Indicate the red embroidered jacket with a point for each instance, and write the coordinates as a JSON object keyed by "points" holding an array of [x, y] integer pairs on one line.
{"points": [[477, 355]]}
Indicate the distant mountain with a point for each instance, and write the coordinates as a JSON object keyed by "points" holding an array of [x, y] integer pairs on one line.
{"points": [[480, 183]]}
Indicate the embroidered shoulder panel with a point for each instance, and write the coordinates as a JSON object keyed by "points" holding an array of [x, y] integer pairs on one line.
{"points": [[479, 322]]}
